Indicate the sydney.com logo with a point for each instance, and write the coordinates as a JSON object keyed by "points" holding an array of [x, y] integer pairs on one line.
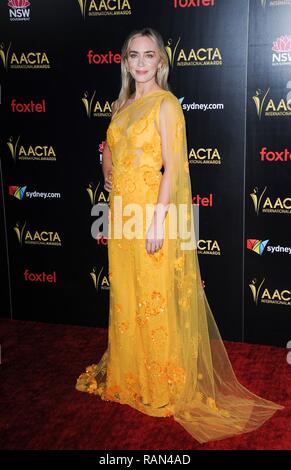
{"points": [[20, 192], [261, 246]]}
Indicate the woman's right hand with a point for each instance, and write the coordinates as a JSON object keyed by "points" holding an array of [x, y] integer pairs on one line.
{"points": [[108, 181]]}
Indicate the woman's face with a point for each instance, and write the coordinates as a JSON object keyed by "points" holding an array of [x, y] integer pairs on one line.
{"points": [[142, 59]]}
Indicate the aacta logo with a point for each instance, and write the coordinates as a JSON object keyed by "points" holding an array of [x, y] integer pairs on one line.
{"points": [[201, 56], [40, 277], [104, 7], [269, 296], [95, 196], [36, 237], [271, 107], [103, 58], [282, 51], [272, 205], [18, 10], [96, 108], [31, 107], [202, 156], [208, 247], [100, 281], [30, 152], [192, 57], [275, 156], [193, 3], [23, 60]]}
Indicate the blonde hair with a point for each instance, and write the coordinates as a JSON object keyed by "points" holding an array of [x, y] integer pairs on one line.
{"points": [[127, 82]]}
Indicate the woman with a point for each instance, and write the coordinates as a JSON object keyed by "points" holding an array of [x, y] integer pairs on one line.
{"points": [[165, 356]]}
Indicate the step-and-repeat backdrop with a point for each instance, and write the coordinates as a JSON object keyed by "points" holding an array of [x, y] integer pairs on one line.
{"points": [[230, 67]]}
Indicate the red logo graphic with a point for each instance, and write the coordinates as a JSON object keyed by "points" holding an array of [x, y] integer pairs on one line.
{"points": [[31, 107], [105, 58], [18, 3], [11, 190], [101, 146], [40, 277], [282, 44], [193, 3], [205, 201], [275, 156], [101, 240]]}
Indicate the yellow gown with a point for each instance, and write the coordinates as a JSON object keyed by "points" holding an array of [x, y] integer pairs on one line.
{"points": [[165, 356]]}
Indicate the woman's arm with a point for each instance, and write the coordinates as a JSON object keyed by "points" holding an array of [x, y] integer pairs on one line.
{"points": [[107, 161], [155, 234], [107, 167]]}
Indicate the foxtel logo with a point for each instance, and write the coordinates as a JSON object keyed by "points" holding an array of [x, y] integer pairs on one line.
{"points": [[40, 277], [105, 58], [193, 3], [275, 156], [205, 201], [31, 107]]}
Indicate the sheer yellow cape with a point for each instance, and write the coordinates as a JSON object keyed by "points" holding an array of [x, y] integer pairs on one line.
{"points": [[211, 404], [198, 381]]}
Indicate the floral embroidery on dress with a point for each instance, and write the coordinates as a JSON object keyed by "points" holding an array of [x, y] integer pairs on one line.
{"points": [[157, 256], [116, 187], [152, 307], [175, 375], [110, 137], [148, 147], [129, 183], [140, 126], [159, 336], [127, 160], [151, 177], [179, 264], [122, 326]]}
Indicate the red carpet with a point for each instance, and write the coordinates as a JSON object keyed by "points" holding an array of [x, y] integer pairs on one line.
{"points": [[40, 408]]}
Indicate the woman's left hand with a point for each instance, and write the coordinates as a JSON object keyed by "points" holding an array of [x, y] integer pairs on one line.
{"points": [[155, 236]]}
